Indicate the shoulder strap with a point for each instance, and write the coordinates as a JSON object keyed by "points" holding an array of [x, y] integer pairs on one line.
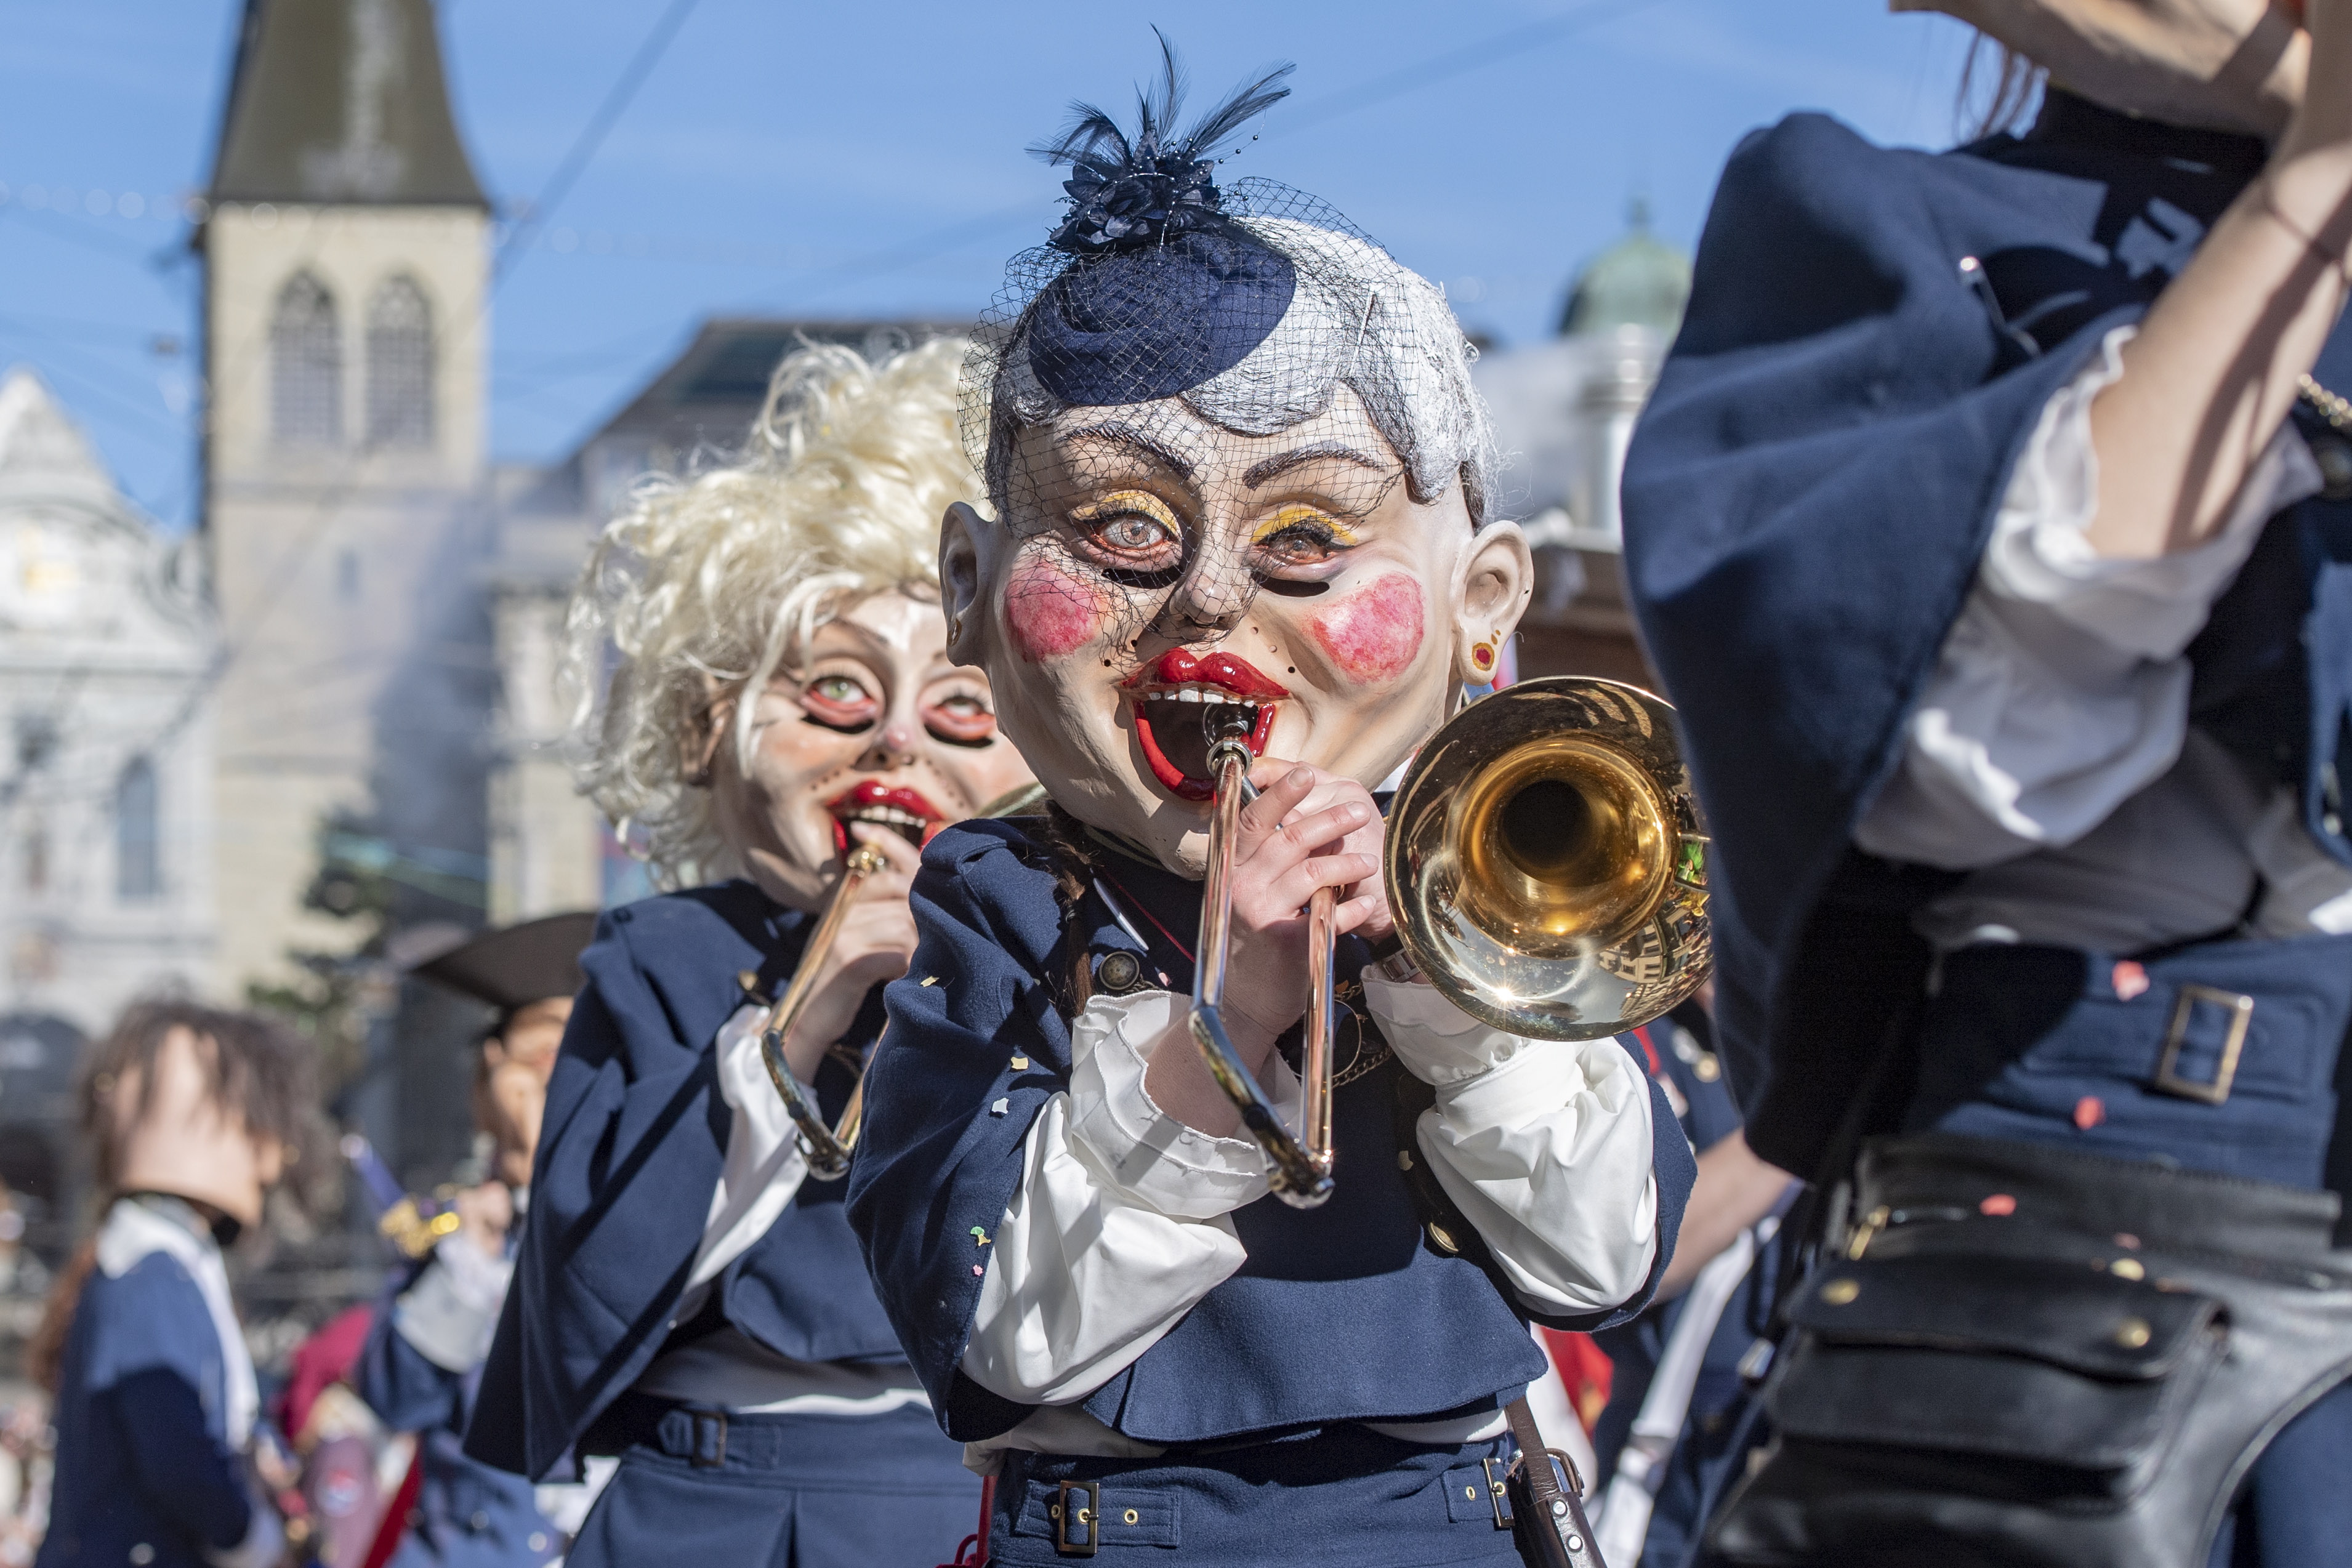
{"points": [[1547, 1518]]}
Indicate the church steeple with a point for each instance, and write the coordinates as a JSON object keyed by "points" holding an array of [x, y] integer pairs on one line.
{"points": [[342, 102], [346, 354]]}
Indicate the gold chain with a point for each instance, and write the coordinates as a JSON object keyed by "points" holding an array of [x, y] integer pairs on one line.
{"points": [[2333, 407]]}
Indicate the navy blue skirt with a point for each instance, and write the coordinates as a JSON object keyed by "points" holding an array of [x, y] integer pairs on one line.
{"points": [[783, 1491], [1341, 1497]]}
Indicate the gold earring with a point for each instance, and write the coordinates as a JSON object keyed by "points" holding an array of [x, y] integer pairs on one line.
{"points": [[1482, 658]]}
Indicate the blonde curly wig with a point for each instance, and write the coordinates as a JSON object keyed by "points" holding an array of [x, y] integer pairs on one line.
{"points": [[711, 580]]}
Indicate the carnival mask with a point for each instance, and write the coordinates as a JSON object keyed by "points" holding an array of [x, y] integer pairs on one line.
{"points": [[870, 723], [1239, 471], [2221, 65], [178, 1135]]}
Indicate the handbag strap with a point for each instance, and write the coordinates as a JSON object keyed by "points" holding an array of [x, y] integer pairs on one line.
{"points": [[1559, 1510]]}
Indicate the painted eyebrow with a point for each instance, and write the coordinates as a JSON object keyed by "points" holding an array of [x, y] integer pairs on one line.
{"points": [[1275, 466], [1135, 441]]}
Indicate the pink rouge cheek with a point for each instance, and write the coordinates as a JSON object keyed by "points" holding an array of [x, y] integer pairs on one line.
{"points": [[1374, 633], [1051, 612]]}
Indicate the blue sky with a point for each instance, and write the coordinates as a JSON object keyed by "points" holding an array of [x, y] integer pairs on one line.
{"points": [[791, 159]]}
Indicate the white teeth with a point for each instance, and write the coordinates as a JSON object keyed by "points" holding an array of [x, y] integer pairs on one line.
{"points": [[890, 815], [1198, 694]]}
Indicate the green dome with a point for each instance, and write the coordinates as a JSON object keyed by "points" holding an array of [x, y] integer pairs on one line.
{"points": [[1640, 281]]}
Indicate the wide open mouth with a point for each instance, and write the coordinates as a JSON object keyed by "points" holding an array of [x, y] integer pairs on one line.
{"points": [[1179, 700], [906, 811]]}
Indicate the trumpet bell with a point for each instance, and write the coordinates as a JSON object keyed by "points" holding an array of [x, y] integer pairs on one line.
{"points": [[1547, 861]]}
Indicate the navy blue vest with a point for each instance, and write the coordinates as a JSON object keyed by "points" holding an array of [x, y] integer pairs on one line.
{"points": [[1350, 1312], [142, 1460], [629, 1154], [1809, 496]]}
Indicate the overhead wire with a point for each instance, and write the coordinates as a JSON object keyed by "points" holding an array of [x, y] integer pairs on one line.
{"points": [[1284, 121], [592, 136], [338, 490]]}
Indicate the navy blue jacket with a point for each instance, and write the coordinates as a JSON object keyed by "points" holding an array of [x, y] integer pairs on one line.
{"points": [[1350, 1312], [467, 1514], [629, 1154], [142, 1454], [1810, 490]]}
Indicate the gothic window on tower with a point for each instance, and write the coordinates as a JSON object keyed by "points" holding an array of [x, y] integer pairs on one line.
{"points": [[137, 842], [306, 363], [400, 366]]}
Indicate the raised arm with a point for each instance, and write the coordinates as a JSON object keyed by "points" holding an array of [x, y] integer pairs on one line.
{"points": [[2216, 366]]}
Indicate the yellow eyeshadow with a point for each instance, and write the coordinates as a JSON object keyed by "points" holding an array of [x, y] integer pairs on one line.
{"points": [[1140, 501], [1292, 515]]}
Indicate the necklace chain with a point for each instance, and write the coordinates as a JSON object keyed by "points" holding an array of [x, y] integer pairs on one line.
{"points": [[2333, 407]]}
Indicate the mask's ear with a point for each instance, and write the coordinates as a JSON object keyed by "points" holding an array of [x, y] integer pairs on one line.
{"points": [[1498, 573], [703, 738], [964, 532]]}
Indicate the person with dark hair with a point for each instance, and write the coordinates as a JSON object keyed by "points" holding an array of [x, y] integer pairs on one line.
{"points": [[194, 1115], [1237, 472], [420, 1366], [1992, 524]]}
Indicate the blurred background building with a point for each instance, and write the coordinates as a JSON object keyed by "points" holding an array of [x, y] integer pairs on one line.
{"points": [[106, 790], [284, 758], [341, 750], [1564, 411]]}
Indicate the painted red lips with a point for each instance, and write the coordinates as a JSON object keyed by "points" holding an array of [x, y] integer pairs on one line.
{"points": [[1174, 696], [906, 812]]}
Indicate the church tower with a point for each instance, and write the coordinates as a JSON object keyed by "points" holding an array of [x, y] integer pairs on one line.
{"points": [[346, 260]]}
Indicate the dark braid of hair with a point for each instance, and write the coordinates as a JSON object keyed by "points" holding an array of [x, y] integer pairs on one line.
{"points": [[1070, 856]]}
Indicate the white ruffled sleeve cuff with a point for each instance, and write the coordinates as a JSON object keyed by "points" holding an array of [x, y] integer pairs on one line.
{"points": [[1437, 1041], [1545, 1146], [1135, 1148], [2061, 690], [1081, 1279], [765, 1164], [451, 1312]]}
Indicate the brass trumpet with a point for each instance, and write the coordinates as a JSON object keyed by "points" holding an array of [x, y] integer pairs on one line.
{"points": [[827, 1148], [1546, 866]]}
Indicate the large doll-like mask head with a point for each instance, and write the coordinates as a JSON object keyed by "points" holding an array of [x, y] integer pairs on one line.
{"points": [[1173, 567], [870, 723], [2223, 65], [1239, 471], [175, 1132]]}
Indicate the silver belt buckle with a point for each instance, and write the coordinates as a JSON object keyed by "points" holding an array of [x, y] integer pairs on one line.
{"points": [[2175, 1037]]}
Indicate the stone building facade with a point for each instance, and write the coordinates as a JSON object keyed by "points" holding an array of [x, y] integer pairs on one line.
{"points": [[106, 784]]}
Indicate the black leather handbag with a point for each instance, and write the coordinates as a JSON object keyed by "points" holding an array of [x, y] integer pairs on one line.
{"points": [[2038, 1360], [2050, 1379]]}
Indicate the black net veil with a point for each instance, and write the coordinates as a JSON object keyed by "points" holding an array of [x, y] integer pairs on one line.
{"points": [[1167, 315]]}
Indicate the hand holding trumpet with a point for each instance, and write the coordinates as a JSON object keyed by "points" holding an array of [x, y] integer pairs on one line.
{"points": [[873, 942], [1307, 830]]}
